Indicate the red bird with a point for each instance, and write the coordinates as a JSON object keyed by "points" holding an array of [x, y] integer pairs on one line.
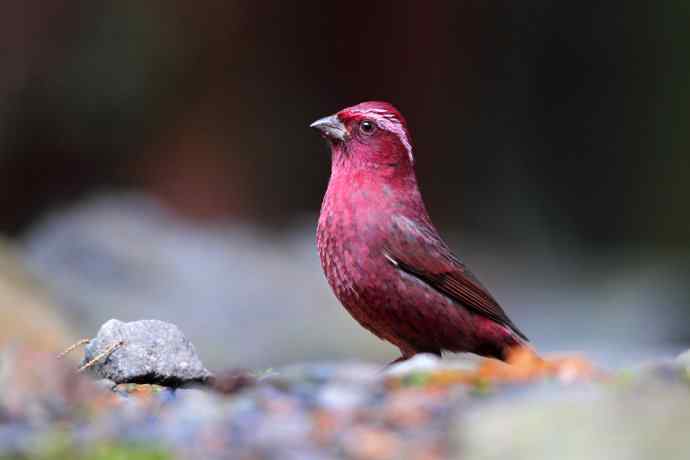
{"points": [[383, 257]]}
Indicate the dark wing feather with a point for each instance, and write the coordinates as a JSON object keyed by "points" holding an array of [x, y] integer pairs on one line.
{"points": [[418, 250]]}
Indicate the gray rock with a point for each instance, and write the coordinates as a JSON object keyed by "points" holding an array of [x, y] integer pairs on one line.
{"points": [[145, 352]]}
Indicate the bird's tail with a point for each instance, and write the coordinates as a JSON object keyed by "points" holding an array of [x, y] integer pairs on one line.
{"points": [[518, 346], [514, 342]]}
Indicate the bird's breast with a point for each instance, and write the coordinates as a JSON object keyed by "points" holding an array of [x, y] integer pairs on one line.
{"points": [[350, 242]]}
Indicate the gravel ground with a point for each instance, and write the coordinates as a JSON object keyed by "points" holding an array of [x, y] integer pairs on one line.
{"points": [[422, 410]]}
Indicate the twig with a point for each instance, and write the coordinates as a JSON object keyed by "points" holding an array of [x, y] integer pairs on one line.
{"points": [[102, 355], [72, 347]]}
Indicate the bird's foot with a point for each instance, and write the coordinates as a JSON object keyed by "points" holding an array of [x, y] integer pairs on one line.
{"points": [[396, 361]]}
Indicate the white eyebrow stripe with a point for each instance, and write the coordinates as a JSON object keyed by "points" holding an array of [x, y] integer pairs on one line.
{"points": [[389, 122]]}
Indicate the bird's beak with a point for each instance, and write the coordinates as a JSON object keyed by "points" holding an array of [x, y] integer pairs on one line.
{"points": [[331, 128]]}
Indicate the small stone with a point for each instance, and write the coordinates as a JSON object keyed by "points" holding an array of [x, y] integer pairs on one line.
{"points": [[231, 381], [149, 352]]}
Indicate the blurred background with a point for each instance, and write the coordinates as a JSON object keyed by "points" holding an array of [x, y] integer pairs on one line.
{"points": [[156, 162]]}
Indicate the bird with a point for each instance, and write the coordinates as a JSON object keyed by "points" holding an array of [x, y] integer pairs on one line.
{"points": [[382, 256]]}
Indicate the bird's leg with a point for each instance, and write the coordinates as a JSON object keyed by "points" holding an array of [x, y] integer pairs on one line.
{"points": [[398, 360], [405, 352]]}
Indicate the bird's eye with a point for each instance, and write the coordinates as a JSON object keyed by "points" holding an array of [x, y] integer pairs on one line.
{"points": [[367, 127]]}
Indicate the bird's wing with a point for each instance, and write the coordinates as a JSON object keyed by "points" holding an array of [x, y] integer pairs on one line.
{"points": [[418, 250]]}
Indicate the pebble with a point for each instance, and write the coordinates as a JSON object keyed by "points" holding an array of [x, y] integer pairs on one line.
{"points": [[145, 352]]}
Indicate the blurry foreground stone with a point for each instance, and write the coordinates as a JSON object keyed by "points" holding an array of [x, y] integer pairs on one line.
{"points": [[641, 417], [147, 351], [38, 390], [29, 317]]}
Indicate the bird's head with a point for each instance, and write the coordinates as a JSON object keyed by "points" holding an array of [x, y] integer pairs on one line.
{"points": [[372, 134]]}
